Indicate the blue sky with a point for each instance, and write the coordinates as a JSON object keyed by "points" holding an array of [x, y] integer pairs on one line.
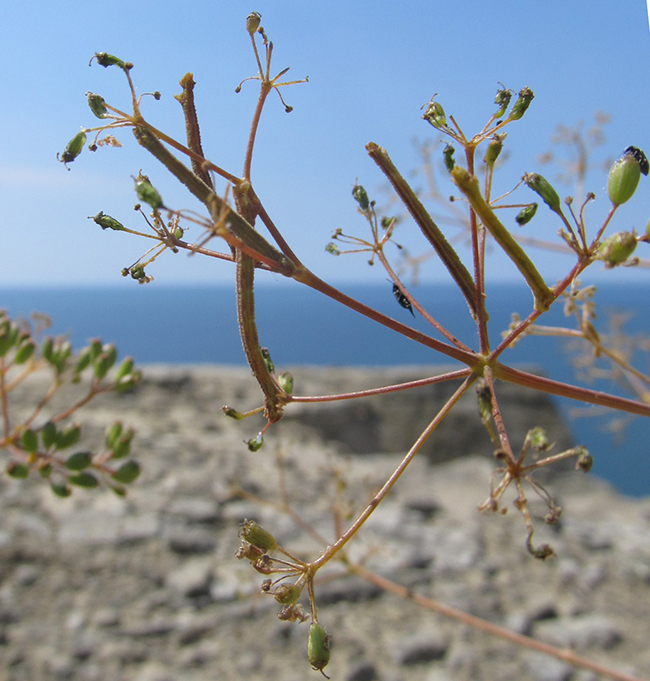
{"points": [[371, 66]]}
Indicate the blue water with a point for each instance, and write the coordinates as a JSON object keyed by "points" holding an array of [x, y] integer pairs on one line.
{"points": [[154, 323]]}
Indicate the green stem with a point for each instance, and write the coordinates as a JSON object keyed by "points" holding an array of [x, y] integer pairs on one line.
{"points": [[468, 184]]}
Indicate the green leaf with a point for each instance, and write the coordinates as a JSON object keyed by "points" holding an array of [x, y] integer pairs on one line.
{"points": [[127, 472], [86, 480], [78, 461]]}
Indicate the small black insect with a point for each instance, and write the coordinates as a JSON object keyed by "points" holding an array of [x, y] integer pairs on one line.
{"points": [[402, 299], [640, 158]]}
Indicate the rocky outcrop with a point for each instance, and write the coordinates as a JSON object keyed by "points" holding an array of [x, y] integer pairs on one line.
{"points": [[147, 588]]}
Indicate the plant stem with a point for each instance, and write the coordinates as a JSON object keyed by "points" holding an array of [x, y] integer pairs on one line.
{"points": [[565, 655], [428, 227], [468, 184], [331, 551]]}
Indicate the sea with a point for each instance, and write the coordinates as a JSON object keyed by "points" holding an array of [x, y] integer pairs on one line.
{"points": [[197, 324]]}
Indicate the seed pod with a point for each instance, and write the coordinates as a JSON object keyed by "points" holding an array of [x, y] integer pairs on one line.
{"points": [[104, 59], [107, 222], [494, 149], [318, 647], [95, 348], [251, 532], [286, 382], [29, 440], [502, 100], [17, 470], [435, 115], [253, 22], [617, 248], [544, 189], [232, 413], [519, 108], [75, 145], [448, 154], [585, 461], [526, 214], [78, 461], [96, 104], [286, 594], [624, 175], [87, 480], [147, 193], [332, 249], [255, 443], [361, 197], [538, 440], [127, 472], [137, 272]]}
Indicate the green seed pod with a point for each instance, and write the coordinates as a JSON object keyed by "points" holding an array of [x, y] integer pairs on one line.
{"points": [[122, 447], [267, 360], [232, 413], [127, 472], [361, 197], [333, 250], [68, 437], [104, 59], [286, 382], [255, 443], [448, 154], [624, 177], [75, 145], [253, 22], [17, 470], [251, 532], [494, 149], [96, 104], [286, 594], [60, 489], [544, 189], [25, 351], [107, 222], [78, 461], [435, 115], [617, 248], [29, 441], [138, 273], [112, 434], [519, 108], [502, 100], [103, 363], [87, 480], [318, 647], [147, 193], [526, 214], [48, 435]]}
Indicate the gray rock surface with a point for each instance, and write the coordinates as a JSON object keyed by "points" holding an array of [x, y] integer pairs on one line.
{"points": [[97, 588]]}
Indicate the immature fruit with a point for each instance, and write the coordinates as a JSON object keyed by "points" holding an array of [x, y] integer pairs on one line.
{"points": [[252, 533], [435, 115], [96, 104], [625, 174], [73, 149], [617, 248], [107, 222], [146, 192], [526, 214], [318, 647], [541, 186], [253, 22], [519, 108], [361, 197]]}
